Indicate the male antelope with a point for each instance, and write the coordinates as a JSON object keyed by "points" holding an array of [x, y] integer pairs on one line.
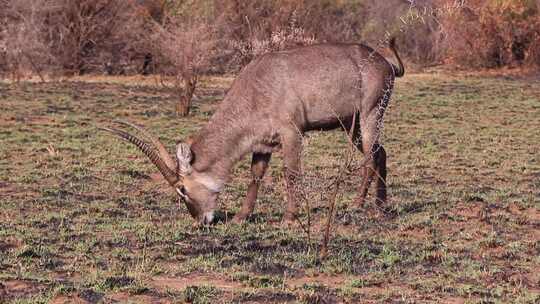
{"points": [[275, 99]]}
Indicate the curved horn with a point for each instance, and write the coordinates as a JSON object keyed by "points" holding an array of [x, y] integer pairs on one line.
{"points": [[163, 153], [156, 159]]}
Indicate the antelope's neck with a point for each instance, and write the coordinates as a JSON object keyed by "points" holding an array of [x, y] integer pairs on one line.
{"points": [[218, 147]]}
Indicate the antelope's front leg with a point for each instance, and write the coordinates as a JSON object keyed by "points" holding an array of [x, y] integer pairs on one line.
{"points": [[292, 150], [259, 164]]}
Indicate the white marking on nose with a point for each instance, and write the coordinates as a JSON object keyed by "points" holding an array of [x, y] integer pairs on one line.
{"points": [[208, 217]]}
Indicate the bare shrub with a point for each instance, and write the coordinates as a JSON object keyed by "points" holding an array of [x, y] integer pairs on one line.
{"points": [[533, 51], [421, 33], [49, 37], [493, 33], [25, 50], [327, 187], [259, 42], [256, 27], [145, 14], [88, 33], [184, 48]]}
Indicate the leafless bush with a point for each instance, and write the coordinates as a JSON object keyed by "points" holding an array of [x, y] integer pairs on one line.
{"points": [[26, 51], [327, 187], [47, 37], [256, 27], [88, 34], [184, 48], [493, 33], [259, 42], [533, 52]]}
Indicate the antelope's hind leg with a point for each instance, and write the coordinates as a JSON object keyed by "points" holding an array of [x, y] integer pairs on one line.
{"points": [[367, 141], [259, 164]]}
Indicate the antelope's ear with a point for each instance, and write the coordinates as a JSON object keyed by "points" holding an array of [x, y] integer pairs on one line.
{"points": [[183, 158]]}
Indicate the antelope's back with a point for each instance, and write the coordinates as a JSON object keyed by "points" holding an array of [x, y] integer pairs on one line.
{"points": [[313, 86]]}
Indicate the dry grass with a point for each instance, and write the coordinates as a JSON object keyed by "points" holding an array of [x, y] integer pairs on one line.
{"points": [[82, 220]]}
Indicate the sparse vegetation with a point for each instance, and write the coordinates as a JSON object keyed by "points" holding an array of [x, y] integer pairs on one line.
{"points": [[82, 217], [85, 219]]}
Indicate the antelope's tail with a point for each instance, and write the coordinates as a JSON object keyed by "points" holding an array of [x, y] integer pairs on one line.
{"points": [[399, 69]]}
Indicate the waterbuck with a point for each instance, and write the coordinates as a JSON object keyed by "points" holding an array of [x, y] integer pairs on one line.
{"points": [[272, 102]]}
